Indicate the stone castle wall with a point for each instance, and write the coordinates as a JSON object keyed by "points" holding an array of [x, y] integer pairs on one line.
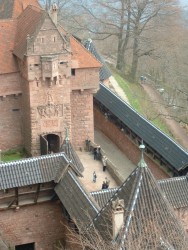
{"points": [[10, 111], [119, 138], [40, 224], [81, 117], [11, 127]]}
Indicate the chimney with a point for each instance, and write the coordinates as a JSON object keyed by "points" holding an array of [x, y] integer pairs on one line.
{"points": [[53, 13], [117, 216]]}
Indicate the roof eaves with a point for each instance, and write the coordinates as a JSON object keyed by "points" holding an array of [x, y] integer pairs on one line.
{"points": [[110, 105]]}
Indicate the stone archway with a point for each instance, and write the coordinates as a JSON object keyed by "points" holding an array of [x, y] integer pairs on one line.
{"points": [[53, 143]]}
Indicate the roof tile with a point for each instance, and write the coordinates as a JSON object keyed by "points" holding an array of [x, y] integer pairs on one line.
{"points": [[28, 23], [7, 37], [81, 57]]}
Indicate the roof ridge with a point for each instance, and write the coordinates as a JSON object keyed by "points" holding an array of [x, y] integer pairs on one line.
{"points": [[31, 159], [172, 179]]}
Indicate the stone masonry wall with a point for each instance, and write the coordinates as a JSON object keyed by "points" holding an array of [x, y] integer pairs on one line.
{"points": [[47, 87], [124, 143], [26, 116], [82, 117], [85, 79], [10, 122], [10, 115], [53, 119], [9, 84], [39, 223]]}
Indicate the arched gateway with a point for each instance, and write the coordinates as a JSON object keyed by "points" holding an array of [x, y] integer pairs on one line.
{"points": [[49, 143]]}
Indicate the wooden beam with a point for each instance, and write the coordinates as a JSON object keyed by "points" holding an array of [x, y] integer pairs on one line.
{"points": [[16, 196], [37, 193], [12, 196], [11, 203]]}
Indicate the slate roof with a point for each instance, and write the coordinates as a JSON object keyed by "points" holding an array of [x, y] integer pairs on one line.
{"points": [[149, 220], [176, 191], [103, 196], [71, 154], [104, 71], [76, 200], [171, 151], [32, 170]]}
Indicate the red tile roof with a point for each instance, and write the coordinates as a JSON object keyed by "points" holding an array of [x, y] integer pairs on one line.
{"points": [[13, 39], [7, 35], [21, 5], [81, 57]]}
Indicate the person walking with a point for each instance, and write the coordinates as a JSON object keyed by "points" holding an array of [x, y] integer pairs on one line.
{"points": [[94, 177], [99, 153], [95, 153], [104, 162], [107, 182], [103, 185]]}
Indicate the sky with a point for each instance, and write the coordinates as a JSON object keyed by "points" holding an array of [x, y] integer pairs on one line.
{"points": [[183, 2]]}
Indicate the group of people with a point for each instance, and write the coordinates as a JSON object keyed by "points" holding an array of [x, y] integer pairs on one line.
{"points": [[98, 156], [97, 153], [106, 184]]}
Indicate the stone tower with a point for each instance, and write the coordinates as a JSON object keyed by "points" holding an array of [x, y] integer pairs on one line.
{"points": [[58, 77]]}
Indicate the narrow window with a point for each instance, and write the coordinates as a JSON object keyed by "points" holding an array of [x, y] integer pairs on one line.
{"points": [[54, 39], [55, 80], [73, 72], [29, 246]]}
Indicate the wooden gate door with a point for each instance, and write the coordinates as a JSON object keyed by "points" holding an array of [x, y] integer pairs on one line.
{"points": [[43, 145]]}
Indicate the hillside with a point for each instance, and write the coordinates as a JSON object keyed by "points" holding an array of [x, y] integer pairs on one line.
{"points": [[147, 101]]}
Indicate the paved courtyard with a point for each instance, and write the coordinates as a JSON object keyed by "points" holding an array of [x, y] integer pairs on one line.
{"points": [[91, 165], [114, 154], [122, 163]]}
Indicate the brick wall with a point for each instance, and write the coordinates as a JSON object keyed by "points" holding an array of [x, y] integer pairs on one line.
{"points": [[124, 143], [82, 117], [39, 223]]}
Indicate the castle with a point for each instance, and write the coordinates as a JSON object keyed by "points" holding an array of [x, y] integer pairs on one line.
{"points": [[47, 82], [47, 79]]}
